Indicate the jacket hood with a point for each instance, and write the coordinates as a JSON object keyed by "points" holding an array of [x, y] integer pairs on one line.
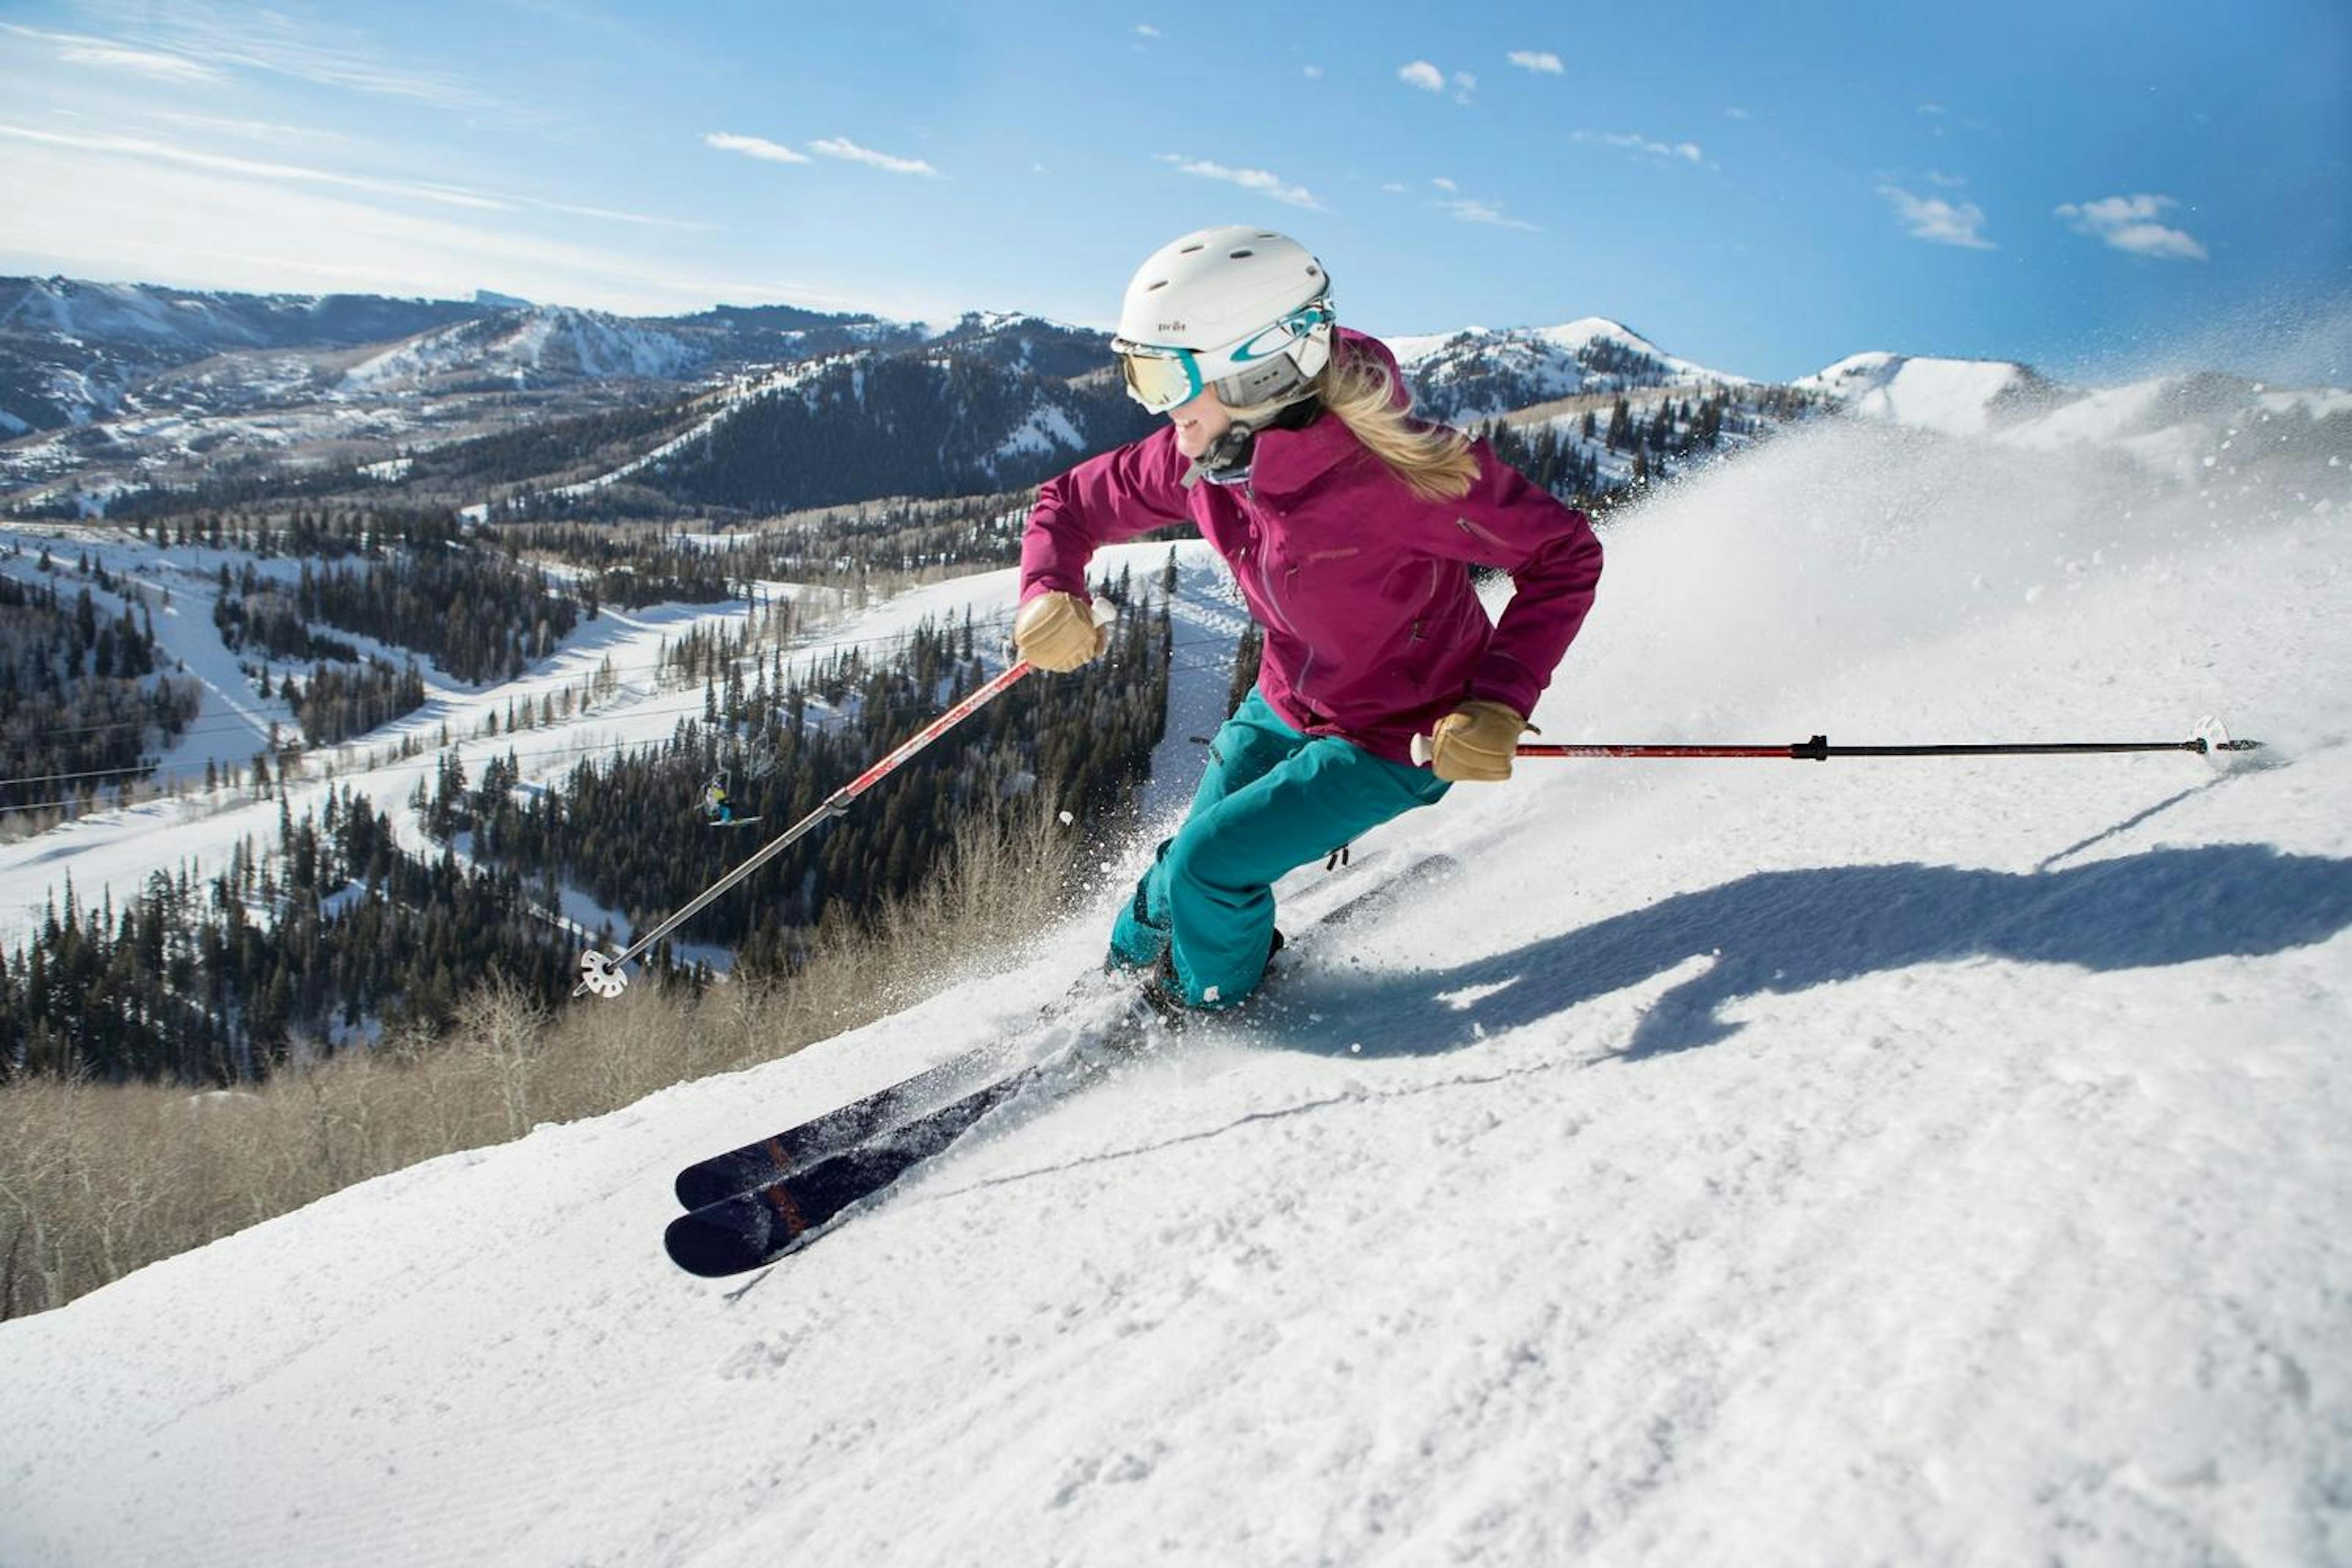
{"points": [[1287, 461]]}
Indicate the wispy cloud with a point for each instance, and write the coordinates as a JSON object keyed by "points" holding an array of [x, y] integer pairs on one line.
{"points": [[755, 147], [218, 227], [1145, 30], [1314, 73], [1468, 210], [139, 149], [1630, 142], [1264, 181], [283, 42], [2128, 223], [1541, 61], [251, 130], [850, 151], [1933, 108], [81, 49], [1938, 221], [1443, 183]]}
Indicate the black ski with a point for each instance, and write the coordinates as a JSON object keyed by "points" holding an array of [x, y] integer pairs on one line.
{"points": [[750, 1228], [756, 1164]]}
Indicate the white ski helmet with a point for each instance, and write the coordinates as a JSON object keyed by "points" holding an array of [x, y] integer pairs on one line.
{"points": [[1246, 310]]}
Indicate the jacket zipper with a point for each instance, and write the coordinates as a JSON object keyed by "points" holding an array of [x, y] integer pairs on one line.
{"points": [[1273, 598]]}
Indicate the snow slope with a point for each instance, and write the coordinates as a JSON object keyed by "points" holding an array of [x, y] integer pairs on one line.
{"points": [[1733, 1162], [1956, 396]]}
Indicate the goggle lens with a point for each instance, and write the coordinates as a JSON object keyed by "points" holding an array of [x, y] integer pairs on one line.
{"points": [[1159, 381]]}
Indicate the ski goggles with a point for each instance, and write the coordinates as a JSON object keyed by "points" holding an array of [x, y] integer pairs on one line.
{"points": [[1160, 377]]}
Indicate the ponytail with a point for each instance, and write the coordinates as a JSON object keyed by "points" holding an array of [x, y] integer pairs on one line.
{"points": [[1434, 461]]}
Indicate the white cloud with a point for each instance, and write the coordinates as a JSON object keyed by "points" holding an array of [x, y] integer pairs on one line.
{"points": [[850, 151], [1145, 30], [1933, 108], [1393, 188], [2128, 223], [1542, 61], [1464, 84], [1687, 152], [1469, 211], [252, 130], [1422, 75], [80, 50], [1443, 183], [137, 149], [755, 147], [1314, 73], [1938, 221], [1264, 183], [1736, 112], [1949, 181], [283, 42], [216, 226]]}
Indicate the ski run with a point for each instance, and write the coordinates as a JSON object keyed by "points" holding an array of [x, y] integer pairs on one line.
{"points": [[1870, 1161]]}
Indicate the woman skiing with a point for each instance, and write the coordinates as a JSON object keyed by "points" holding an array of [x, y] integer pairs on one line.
{"points": [[1350, 529]]}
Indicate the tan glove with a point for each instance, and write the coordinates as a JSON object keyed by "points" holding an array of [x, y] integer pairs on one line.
{"points": [[1475, 742], [1057, 631]]}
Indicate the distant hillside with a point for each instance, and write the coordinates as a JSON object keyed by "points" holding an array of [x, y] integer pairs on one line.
{"points": [[1481, 374]]}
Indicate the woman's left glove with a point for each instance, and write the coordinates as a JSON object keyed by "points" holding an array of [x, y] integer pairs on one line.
{"points": [[1475, 742], [1056, 631]]}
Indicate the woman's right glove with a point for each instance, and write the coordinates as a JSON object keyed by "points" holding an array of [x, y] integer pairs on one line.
{"points": [[1475, 742], [1057, 631]]}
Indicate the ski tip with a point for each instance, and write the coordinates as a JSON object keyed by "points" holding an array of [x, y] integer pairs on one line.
{"points": [[721, 1240]]}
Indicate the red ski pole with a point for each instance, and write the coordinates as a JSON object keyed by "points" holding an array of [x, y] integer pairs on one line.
{"points": [[603, 974]]}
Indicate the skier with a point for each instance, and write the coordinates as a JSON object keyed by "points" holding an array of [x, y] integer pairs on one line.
{"points": [[718, 805], [1350, 529]]}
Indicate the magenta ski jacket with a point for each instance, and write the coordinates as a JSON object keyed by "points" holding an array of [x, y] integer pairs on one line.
{"points": [[1373, 631]]}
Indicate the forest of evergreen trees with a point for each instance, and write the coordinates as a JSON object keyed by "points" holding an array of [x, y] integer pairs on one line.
{"points": [[213, 983], [79, 711], [630, 831], [334, 930], [1672, 430], [476, 614]]}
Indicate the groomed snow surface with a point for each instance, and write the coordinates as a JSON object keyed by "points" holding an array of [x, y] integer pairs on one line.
{"points": [[1732, 1163]]}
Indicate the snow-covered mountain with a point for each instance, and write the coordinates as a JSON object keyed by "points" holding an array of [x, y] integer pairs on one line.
{"points": [[1732, 1163], [539, 346], [72, 352], [1480, 373], [1958, 397]]}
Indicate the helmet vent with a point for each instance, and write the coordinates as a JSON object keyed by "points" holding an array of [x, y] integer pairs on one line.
{"points": [[1158, 283], [1191, 250], [1239, 255]]}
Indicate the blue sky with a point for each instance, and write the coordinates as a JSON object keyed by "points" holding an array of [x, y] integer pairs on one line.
{"points": [[2093, 187]]}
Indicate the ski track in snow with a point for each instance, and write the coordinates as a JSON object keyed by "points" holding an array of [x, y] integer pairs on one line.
{"points": [[1732, 1163]]}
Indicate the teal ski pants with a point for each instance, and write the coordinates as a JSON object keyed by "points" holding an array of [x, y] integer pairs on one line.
{"points": [[1272, 800]]}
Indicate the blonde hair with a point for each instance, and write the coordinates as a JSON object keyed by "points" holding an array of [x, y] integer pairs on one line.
{"points": [[1434, 460]]}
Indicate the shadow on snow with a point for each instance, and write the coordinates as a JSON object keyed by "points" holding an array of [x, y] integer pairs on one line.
{"points": [[1788, 931]]}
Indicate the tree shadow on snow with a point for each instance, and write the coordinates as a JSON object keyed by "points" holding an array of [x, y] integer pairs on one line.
{"points": [[1790, 931]]}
